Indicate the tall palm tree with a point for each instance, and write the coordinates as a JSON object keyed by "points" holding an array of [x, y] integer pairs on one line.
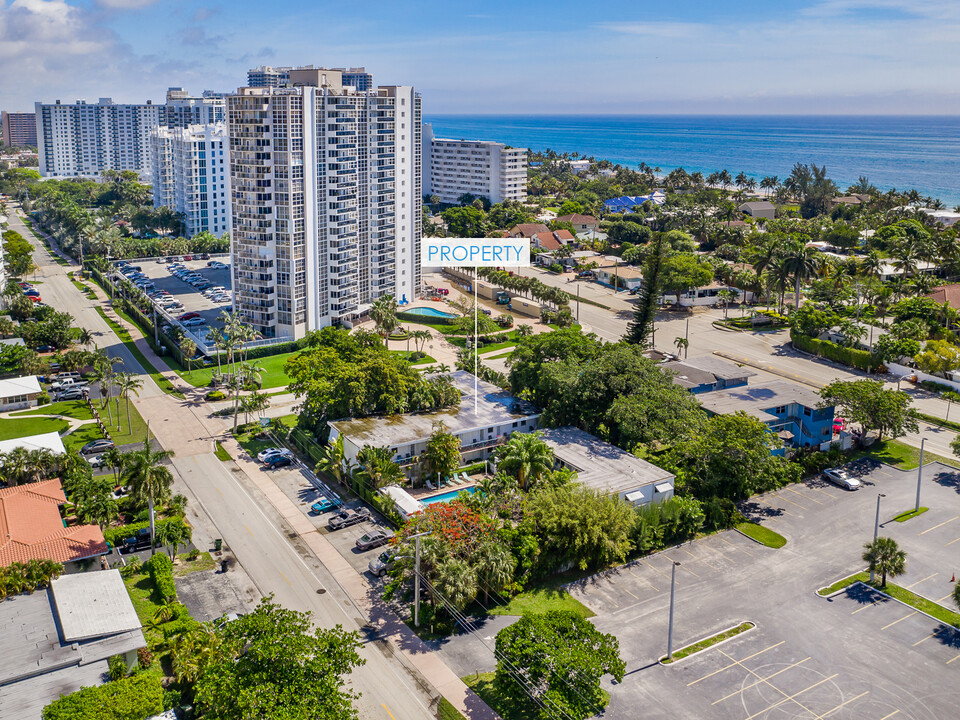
{"points": [[800, 262], [84, 336], [383, 312], [884, 556], [497, 569], [149, 479], [682, 344], [456, 581], [128, 383], [527, 458]]}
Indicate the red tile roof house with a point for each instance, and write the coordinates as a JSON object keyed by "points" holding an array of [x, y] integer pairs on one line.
{"points": [[581, 223], [31, 527], [552, 239], [526, 230]]}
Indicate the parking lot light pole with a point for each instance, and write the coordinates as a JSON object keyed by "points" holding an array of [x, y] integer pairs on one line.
{"points": [[673, 581], [876, 528], [920, 474]]}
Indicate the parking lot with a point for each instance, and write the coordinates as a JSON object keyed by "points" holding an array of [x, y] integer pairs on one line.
{"points": [[188, 296], [854, 655]]}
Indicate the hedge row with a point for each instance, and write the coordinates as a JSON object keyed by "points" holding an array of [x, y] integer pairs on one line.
{"points": [[831, 351], [160, 568], [116, 535], [132, 698]]}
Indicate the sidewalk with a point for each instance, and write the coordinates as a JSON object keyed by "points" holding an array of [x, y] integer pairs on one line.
{"points": [[390, 628]]}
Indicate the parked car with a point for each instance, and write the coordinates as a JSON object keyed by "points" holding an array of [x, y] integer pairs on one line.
{"points": [[45, 348], [68, 383], [382, 564], [188, 257], [373, 539], [96, 461], [323, 504], [96, 446], [275, 461], [839, 476], [136, 543], [188, 316], [70, 394], [346, 518], [194, 322], [273, 451]]}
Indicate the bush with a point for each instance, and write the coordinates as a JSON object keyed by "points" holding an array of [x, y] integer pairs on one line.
{"points": [[132, 698], [555, 267], [43, 398], [160, 569], [144, 657], [116, 667], [504, 321], [831, 351], [116, 535], [215, 395], [720, 514], [935, 387], [193, 554]]}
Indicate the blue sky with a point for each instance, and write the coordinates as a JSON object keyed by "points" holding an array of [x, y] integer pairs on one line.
{"points": [[680, 56]]}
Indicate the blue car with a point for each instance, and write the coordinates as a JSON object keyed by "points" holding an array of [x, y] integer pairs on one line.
{"points": [[275, 461], [324, 504]]}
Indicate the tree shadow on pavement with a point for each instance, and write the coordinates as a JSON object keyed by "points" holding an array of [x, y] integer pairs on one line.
{"points": [[755, 511], [950, 479], [947, 635]]}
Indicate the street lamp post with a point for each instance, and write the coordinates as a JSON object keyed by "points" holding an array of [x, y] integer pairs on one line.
{"points": [[673, 581], [876, 528], [920, 474]]}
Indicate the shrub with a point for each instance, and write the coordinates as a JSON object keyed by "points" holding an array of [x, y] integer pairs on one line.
{"points": [[144, 657], [43, 398], [160, 568], [555, 268], [215, 395], [831, 351], [116, 667], [193, 554], [132, 698], [935, 387], [116, 535]]}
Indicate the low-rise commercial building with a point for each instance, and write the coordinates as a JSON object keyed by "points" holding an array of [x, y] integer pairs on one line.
{"points": [[484, 420], [605, 467], [707, 373], [759, 209]]}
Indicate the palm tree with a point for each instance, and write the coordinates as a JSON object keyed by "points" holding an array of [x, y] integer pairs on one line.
{"points": [[524, 330], [456, 581], [801, 263], [497, 569], [527, 458], [682, 344], [84, 336], [383, 312], [149, 479], [331, 459], [116, 459], [188, 348], [885, 556], [128, 383]]}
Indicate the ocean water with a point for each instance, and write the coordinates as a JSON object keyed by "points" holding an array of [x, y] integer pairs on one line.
{"points": [[921, 153]]}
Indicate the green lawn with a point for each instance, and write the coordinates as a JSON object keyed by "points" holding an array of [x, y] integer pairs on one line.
{"points": [[498, 357], [516, 705], [10, 429], [497, 346], [125, 436], [542, 599], [901, 455], [253, 445], [148, 368], [426, 359], [708, 642], [205, 561], [76, 409], [904, 516], [843, 583], [221, 453], [763, 535], [272, 375]]}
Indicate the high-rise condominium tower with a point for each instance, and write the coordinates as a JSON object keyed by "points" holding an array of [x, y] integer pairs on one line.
{"points": [[326, 202], [84, 139], [267, 76], [190, 175], [182, 109], [19, 128]]}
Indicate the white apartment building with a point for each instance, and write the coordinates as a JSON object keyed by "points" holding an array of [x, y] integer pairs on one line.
{"points": [[182, 109], [84, 139], [267, 76], [190, 175], [478, 167], [325, 189]]}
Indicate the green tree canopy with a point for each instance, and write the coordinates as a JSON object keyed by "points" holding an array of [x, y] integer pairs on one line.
{"points": [[874, 408], [682, 271], [884, 556]]}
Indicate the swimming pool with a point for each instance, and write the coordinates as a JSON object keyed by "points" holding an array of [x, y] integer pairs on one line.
{"points": [[430, 312], [448, 496]]}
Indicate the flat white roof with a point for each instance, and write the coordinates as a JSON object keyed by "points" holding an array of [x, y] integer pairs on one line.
{"points": [[19, 386], [93, 604], [45, 441], [405, 501]]}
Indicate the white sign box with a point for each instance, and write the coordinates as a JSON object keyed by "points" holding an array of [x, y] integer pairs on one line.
{"points": [[474, 252]]}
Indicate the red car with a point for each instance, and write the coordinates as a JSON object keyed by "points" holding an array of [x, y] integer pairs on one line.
{"points": [[187, 316], [188, 257], [35, 298]]}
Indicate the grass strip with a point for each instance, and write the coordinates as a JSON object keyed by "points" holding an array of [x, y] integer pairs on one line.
{"points": [[708, 642], [918, 602], [513, 704], [148, 368], [204, 561], [900, 455], [446, 711], [904, 516], [762, 535], [843, 583], [221, 453], [934, 420], [542, 599]]}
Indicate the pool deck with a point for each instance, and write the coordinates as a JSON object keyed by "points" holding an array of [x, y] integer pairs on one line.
{"points": [[425, 493]]}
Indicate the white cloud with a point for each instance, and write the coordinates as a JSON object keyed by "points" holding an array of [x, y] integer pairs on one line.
{"points": [[673, 30], [125, 4]]}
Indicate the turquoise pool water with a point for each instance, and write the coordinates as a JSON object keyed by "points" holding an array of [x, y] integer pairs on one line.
{"points": [[430, 312], [448, 496]]}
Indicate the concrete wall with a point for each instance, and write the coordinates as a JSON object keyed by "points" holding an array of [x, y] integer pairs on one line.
{"points": [[904, 370], [524, 307]]}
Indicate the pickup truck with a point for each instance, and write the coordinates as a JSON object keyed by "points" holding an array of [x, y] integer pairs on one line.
{"points": [[68, 383]]}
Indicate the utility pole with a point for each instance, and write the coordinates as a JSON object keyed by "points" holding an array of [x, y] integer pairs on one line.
{"points": [[673, 582], [416, 577], [876, 528], [686, 336], [920, 474]]}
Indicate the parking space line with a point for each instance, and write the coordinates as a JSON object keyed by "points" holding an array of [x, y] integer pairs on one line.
{"points": [[700, 559], [774, 687], [940, 525], [952, 659], [684, 567], [896, 621], [924, 639], [735, 662], [845, 702], [805, 497], [866, 607], [952, 542], [767, 502], [948, 595], [641, 577], [822, 491], [920, 581], [760, 681], [885, 717], [734, 546], [654, 569], [792, 697], [792, 502]]}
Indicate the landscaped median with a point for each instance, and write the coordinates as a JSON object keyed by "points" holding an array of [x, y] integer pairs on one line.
{"points": [[761, 534], [904, 516], [895, 592], [702, 645]]}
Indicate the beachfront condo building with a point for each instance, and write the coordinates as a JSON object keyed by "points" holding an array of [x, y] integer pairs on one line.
{"points": [[84, 139], [182, 109], [190, 175], [325, 189], [452, 168], [267, 76], [19, 128]]}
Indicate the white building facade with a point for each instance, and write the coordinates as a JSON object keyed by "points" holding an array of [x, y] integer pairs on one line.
{"points": [[190, 176], [84, 139], [182, 109], [325, 185], [267, 76], [476, 167]]}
